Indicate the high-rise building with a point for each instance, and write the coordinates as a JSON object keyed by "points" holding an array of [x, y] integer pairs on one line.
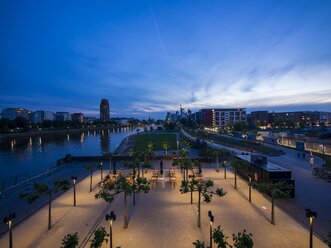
{"points": [[104, 110]]}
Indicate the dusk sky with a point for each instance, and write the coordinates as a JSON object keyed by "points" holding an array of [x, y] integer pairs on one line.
{"points": [[147, 57]]}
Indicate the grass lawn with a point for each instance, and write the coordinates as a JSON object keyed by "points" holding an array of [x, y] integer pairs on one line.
{"points": [[141, 141]]}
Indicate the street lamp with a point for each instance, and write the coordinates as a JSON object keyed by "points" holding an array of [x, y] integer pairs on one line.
{"points": [[211, 219], [101, 168], [311, 215], [74, 179], [249, 188], [9, 222], [225, 169], [111, 217]]}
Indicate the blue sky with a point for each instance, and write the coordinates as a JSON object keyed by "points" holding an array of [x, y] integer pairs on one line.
{"points": [[147, 57]]}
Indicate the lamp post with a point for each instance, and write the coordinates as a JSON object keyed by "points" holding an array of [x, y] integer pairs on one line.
{"points": [[74, 179], [9, 222], [225, 169], [111, 217], [311, 215], [211, 219], [249, 188], [101, 168]]}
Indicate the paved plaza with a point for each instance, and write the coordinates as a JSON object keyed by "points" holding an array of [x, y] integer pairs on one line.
{"points": [[310, 192], [163, 218]]}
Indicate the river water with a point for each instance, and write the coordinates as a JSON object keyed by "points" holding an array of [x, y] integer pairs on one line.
{"points": [[25, 157]]}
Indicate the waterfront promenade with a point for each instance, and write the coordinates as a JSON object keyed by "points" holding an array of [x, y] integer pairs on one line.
{"points": [[162, 218]]}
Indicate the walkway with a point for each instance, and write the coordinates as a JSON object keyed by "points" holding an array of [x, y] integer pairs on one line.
{"points": [[163, 218]]}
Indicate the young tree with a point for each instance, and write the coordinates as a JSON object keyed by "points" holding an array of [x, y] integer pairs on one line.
{"points": [[243, 240], [196, 163], [183, 162], [133, 165], [41, 189], [199, 244], [100, 236], [219, 237], [202, 188], [238, 164], [277, 190], [165, 146], [90, 167], [71, 240], [122, 185]]}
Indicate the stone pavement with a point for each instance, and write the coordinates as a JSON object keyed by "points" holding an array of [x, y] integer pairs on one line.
{"points": [[162, 218], [65, 218], [165, 218]]}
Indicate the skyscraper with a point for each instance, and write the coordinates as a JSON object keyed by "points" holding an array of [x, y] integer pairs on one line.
{"points": [[104, 110]]}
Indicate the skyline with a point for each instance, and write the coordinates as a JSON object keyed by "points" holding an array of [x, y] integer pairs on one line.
{"points": [[148, 57]]}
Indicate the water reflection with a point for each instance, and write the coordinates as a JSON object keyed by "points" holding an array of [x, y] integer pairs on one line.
{"points": [[36, 153], [82, 136], [104, 141]]}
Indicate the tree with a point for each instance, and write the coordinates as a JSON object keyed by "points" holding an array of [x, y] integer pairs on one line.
{"points": [[70, 240], [201, 187], [277, 190], [243, 240], [41, 189], [183, 162], [100, 236], [133, 165], [238, 164], [90, 167], [165, 146], [199, 244], [122, 185], [219, 237], [197, 163]]}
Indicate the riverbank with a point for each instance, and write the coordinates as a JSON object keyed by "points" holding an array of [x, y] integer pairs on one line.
{"points": [[55, 132]]}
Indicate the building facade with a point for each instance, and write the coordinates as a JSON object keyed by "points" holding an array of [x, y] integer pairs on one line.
{"points": [[104, 110], [260, 118], [221, 118], [62, 116], [77, 117], [13, 113], [40, 116]]}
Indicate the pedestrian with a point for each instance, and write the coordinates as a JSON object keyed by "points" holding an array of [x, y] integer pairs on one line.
{"points": [[303, 155]]}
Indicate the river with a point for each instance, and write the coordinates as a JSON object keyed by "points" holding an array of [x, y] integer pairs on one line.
{"points": [[25, 157]]}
